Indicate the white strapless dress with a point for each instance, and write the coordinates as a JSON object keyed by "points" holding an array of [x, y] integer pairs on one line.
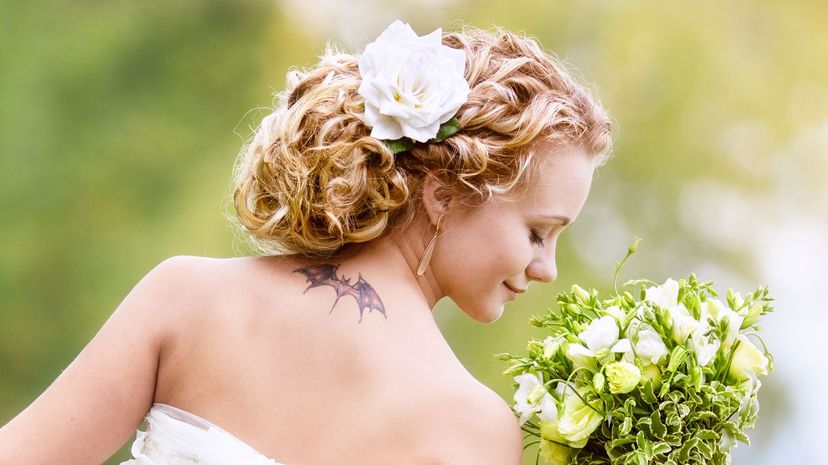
{"points": [[176, 437]]}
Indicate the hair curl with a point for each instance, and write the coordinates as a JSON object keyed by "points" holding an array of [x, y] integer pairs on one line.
{"points": [[312, 181]]}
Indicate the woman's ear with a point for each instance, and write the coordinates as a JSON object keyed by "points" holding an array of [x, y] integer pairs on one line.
{"points": [[436, 198]]}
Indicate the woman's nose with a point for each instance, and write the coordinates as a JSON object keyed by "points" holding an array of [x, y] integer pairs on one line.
{"points": [[544, 269]]}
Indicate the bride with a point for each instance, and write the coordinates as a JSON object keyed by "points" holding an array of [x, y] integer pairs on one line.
{"points": [[426, 167]]}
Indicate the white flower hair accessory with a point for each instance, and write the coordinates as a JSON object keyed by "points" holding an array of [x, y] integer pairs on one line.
{"points": [[413, 86]]}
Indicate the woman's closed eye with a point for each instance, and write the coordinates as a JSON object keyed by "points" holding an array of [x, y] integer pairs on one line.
{"points": [[535, 237]]}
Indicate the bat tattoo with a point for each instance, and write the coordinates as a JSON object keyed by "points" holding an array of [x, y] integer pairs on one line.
{"points": [[325, 274]]}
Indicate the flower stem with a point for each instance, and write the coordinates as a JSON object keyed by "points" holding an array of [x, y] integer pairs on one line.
{"points": [[620, 264]]}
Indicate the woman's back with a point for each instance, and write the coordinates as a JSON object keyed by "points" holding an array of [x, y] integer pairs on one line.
{"points": [[304, 384], [487, 144]]}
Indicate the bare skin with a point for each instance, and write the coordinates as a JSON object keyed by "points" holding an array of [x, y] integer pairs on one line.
{"points": [[320, 374], [290, 331], [303, 374]]}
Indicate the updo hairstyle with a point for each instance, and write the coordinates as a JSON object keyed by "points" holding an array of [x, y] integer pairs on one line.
{"points": [[313, 182]]}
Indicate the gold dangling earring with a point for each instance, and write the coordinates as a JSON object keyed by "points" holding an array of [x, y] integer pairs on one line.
{"points": [[426, 257]]}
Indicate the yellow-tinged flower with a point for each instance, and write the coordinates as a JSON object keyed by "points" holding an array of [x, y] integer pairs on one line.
{"points": [[651, 372], [622, 377], [578, 420], [747, 358], [549, 430], [554, 453]]}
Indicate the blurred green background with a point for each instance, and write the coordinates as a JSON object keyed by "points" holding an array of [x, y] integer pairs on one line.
{"points": [[120, 121]]}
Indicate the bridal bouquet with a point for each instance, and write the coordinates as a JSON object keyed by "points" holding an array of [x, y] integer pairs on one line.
{"points": [[669, 377]]}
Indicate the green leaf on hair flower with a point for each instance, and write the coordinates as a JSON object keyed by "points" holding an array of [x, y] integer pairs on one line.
{"points": [[446, 129], [399, 145]]}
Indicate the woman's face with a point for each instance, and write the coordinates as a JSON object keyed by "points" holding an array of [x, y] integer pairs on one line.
{"points": [[511, 242]]}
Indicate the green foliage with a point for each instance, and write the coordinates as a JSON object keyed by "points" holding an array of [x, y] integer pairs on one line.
{"points": [[690, 414], [404, 143], [447, 129], [399, 145]]}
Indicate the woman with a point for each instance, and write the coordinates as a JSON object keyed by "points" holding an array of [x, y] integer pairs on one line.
{"points": [[453, 177]]}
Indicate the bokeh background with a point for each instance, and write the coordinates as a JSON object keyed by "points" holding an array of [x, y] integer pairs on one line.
{"points": [[120, 121]]}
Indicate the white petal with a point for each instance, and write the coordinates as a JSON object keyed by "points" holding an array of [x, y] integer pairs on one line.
{"points": [[622, 346], [549, 411], [665, 295], [524, 417], [600, 334], [580, 355], [386, 128], [421, 134]]}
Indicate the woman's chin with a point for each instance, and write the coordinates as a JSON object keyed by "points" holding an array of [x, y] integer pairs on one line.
{"points": [[488, 315]]}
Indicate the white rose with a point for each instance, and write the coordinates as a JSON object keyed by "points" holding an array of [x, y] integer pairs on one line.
{"points": [[622, 377], [411, 84]]}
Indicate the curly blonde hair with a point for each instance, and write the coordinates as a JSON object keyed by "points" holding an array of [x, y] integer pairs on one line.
{"points": [[313, 182]]}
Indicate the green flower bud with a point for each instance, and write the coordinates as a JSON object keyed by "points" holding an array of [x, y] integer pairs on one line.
{"points": [[598, 382], [534, 344], [629, 299], [752, 315], [622, 377], [515, 369], [536, 394], [581, 293]]}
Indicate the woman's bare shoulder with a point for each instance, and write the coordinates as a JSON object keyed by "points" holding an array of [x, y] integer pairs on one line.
{"points": [[471, 423]]}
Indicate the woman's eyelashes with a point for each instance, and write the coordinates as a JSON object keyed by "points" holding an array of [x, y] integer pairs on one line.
{"points": [[535, 238]]}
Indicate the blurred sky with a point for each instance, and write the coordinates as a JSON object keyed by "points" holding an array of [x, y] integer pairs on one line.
{"points": [[120, 121]]}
